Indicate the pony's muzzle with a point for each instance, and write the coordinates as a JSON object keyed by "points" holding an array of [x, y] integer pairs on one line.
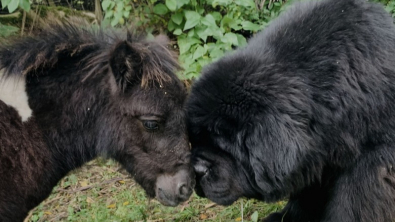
{"points": [[172, 190]]}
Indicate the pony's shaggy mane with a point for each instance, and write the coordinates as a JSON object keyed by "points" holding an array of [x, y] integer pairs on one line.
{"points": [[94, 46]]}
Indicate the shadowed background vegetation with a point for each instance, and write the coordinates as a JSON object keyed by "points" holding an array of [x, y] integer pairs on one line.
{"points": [[201, 31]]}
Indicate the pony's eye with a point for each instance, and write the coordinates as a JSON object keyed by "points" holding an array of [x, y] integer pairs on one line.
{"points": [[151, 125]]}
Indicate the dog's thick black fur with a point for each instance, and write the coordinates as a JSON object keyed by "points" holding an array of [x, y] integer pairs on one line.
{"points": [[306, 111]]}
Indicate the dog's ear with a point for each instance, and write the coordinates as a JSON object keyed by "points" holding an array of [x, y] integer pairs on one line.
{"points": [[276, 145]]}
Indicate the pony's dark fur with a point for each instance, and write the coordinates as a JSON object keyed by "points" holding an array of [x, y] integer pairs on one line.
{"points": [[307, 112], [91, 92]]}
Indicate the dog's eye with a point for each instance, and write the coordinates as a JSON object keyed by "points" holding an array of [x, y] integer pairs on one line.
{"points": [[151, 125]]}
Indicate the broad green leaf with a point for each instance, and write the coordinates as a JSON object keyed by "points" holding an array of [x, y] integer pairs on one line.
{"points": [[177, 32], [221, 2], [202, 32], [247, 25], [177, 18], [171, 5], [118, 15], [120, 6], [13, 5], [126, 14], [171, 26], [128, 8], [181, 3], [228, 21], [105, 4], [160, 9], [245, 3], [192, 19], [191, 33], [211, 46], [186, 59], [217, 16], [184, 44], [216, 53], [241, 40], [114, 21], [254, 217], [199, 52], [203, 61], [230, 38], [4, 3], [112, 5], [6, 30], [209, 21], [109, 14], [25, 5]]}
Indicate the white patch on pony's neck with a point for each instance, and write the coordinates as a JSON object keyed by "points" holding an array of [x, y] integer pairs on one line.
{"points": [[13, 93]]}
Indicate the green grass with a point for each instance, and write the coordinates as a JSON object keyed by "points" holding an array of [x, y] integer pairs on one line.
{"points": [[102, 191]]}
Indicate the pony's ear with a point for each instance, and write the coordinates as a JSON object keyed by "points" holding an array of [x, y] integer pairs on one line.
{"points": [[125, 63]]}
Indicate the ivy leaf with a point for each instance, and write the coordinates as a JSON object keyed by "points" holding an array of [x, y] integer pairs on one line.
{"points": [[241, 40], [217, 16], [25, 5], [192, 19], [13, 5], [177, 32], [254, 217], [228, 21], [209, 21], [126, 14], [247, 25], [160, 9], [180, 3], [109, 14], [105, 4], [199, 52], [7, 30], [177, 18], [171, 5], [202, 32], [4, 3], [171, 26], [221, 2], [184, 44], [120, 6], [230, 38], [114, 21], [216, 53], [245, 3]]}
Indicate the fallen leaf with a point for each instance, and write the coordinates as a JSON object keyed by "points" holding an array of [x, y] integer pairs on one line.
{"points": [[89, 200], [84, 183], [125, 203], [112, 206], [121, 181], [203, 216], [209, 205], [47, 213]]}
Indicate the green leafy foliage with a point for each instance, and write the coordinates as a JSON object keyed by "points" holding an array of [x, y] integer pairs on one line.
{"points": [[203, 29], [6, 30], [12, 5]]}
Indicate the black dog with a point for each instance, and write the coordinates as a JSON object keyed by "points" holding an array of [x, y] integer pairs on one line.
{"points": [[307, 112]]}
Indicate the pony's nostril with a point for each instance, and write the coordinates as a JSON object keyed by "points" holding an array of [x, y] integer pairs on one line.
{"points": [[183, 190]]}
